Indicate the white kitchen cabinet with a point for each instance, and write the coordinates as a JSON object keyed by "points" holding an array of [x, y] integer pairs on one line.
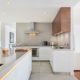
{"points": [[23, 68], [61, 61], [28, 66], [44, 53]]}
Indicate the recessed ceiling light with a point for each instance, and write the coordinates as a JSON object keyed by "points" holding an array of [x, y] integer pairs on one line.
{"points": [[9, 1], [3, 13], [45, 13]]}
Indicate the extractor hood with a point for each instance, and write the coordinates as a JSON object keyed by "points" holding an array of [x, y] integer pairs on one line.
{"points": [[32, 32]]}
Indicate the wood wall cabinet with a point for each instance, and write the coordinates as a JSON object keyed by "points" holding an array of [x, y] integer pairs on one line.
{"points": [[61, 22]]}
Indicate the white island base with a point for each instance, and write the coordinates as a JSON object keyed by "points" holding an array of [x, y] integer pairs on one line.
{"points": [[62, 61]]}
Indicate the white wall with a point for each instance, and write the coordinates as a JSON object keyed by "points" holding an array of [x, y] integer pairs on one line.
{"points": [[6, 29], [0, 42], [76, 33], [76, 27], [76, 61], [0, 34], [45, 30]]}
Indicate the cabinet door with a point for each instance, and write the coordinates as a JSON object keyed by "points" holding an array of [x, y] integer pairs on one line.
{"points": [[56, 25], [62, 61], [65, 19], [44, 53], [62, 22]]}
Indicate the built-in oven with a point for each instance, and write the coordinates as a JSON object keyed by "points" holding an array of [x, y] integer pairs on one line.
{"points": [[35, 52]]}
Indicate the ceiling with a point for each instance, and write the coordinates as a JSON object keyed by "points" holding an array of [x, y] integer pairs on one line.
{"points": [[32, 10]]}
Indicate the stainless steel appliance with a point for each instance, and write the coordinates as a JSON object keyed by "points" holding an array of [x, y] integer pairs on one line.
{"points": [[35, 52], [45, 43]]}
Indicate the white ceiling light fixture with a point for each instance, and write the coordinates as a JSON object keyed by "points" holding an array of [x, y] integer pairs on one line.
{"points": [[45, 13], [9, 2], [3, 13]]}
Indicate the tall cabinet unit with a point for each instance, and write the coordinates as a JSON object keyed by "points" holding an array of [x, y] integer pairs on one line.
{"points": [[61, 22]]}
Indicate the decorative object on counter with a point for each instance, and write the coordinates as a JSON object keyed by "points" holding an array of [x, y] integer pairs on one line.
{"points": [[11, 37], [61, 47], [56, 46], [5, 52]]}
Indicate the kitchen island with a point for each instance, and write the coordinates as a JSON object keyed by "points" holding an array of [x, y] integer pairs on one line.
{"points": [[43, 52], [61, 60], [13, 71]]}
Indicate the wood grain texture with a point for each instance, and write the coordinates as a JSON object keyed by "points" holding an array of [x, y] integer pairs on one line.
{"points": [[5, 52], [62, 21], [77, 74], [65, 19], [21, 50], [56, 24]]}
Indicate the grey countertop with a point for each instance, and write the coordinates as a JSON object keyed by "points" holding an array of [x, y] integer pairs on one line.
{"points": [[39, 46], [33, 46]]}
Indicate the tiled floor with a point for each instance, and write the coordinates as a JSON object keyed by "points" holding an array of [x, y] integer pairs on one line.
{"points": [[43, 71]]}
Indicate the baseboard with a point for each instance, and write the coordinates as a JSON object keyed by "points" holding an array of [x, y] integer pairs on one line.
{"points": [[40, 60]]}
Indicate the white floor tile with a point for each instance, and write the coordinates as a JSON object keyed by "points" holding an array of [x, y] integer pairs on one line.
{"points": [[35, 76], [43, 71], [36, 69]]}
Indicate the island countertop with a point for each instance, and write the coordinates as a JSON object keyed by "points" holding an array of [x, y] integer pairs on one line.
{"points": [[24, 47]]}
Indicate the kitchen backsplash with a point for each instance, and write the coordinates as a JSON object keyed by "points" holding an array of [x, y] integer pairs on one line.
{"points": [[62, 40], [44, 29]]}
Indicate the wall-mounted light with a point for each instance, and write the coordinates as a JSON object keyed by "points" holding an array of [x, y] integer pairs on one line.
{"points": [[32, 34]]}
